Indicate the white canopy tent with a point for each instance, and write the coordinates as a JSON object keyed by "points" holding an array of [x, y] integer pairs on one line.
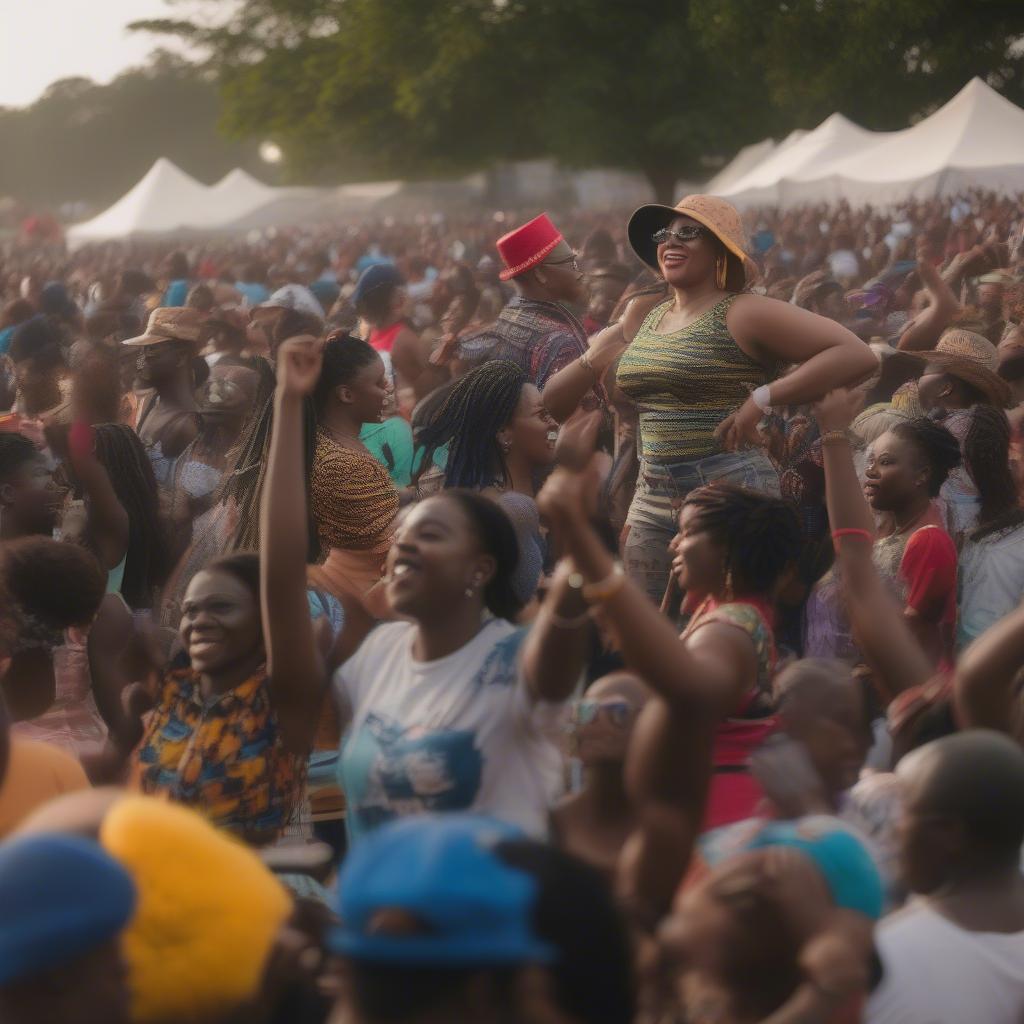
{"points": [[168, 201], [975, 141], [161, 202], [742, 163], [797, 162]]}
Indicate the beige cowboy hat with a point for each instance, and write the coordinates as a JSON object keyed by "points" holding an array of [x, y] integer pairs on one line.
{"points": [[972, 359], [720, 217]]}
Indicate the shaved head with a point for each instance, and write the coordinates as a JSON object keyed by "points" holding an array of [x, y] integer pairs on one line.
{"points": [[822, 706], [815, 683], [976, 780]]}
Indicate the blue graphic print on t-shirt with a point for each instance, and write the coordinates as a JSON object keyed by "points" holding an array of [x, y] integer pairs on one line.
{"points": [[387, 770]]}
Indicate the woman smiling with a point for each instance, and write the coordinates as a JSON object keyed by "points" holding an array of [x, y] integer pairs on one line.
{"points": [[231, 733], [453, 708]]}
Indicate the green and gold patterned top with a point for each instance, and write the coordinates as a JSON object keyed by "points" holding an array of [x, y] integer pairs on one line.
{"points": [[685, 383]]}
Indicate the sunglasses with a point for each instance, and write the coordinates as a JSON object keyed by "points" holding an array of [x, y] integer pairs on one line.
{"points": [[572, 262], [687, 233], [619, 712]]}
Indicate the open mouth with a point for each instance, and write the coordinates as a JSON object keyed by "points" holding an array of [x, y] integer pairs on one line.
{"points": [[402, 568], [552, 437], [674, 258]]}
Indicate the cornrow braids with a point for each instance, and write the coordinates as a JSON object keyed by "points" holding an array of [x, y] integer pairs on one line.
{"points": [[939, 447], [987, 459], [761, 534], [468, 421], [122, 455]]}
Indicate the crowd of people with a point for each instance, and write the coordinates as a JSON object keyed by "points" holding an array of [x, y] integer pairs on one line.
{"points": [[589, 619]]}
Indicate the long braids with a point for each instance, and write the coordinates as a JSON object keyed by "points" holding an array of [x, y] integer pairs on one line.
{"points": [[987, 459], [242, 483], [761, 534], [343, 356], [468, 421], [122, 455]]}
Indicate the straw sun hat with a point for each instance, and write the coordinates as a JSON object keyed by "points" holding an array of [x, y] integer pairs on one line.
{"points": [[971, 358], [720, 218]]}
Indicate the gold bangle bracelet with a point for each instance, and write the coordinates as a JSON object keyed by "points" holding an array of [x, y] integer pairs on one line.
{"points": [[597, 593], [833, 436]]}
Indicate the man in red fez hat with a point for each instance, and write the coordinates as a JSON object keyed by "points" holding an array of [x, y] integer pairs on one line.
{"points": [[536, 330]]}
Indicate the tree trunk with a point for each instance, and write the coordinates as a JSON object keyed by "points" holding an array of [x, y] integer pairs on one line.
{"points": [[663, 182]]}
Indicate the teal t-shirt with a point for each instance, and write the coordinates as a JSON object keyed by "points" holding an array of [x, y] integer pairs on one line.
{"points": [[390, 443]]}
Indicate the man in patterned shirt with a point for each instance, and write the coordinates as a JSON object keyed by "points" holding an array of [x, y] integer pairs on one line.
{"points": [[536, 330]]}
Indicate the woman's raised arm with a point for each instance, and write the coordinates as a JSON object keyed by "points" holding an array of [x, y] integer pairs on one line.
{"points": [[294, 666], [877, 619]]}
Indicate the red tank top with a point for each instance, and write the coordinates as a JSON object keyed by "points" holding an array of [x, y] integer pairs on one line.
{"points": [[383, 339]]}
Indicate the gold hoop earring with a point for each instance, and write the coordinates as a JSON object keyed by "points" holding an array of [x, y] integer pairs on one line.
{"points": [[721, 272]]}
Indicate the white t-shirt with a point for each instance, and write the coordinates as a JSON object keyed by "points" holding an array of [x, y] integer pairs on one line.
{"points": [[937, 973], [459, 733]]}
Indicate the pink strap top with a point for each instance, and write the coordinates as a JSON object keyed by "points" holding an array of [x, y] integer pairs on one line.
{"points": [[383, 339]]}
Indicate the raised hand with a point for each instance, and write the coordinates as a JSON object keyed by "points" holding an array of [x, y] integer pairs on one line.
{"points": [[577, 439], [299, 360], [838, 409]]}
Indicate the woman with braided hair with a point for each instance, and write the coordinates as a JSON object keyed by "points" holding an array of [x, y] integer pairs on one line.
{"points": [[352, 499], [498, 437], [991, 581], [145, 565], [732, 550], [904, 472]]}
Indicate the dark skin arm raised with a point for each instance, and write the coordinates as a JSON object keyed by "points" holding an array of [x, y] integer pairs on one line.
{"points": [[924, 330], [294, 666], [986, 684], [554, 653], [565, 389], [879, 623]]}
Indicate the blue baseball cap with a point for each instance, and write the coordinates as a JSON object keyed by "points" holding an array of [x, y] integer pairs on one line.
{"points": [[432, 891], [372, 278], [844, 862], [60, 897]]}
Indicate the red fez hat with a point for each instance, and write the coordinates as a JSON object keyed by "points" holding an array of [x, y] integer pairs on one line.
{"points": [[527, 245]]}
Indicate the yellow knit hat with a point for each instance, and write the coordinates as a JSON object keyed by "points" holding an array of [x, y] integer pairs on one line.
{"points": [[207, 914]]}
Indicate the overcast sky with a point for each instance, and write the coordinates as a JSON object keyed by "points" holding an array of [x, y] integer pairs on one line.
{"points": [[42, 41]]}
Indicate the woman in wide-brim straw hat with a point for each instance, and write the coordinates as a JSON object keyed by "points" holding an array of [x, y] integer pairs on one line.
{"points": [[703, 368], [958, 376]]}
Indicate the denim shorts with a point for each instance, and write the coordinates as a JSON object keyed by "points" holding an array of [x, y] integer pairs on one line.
{"points": [[661, 488]]}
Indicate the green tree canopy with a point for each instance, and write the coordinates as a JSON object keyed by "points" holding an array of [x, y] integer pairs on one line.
{"points": [[879, 62], [415, 88]]}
